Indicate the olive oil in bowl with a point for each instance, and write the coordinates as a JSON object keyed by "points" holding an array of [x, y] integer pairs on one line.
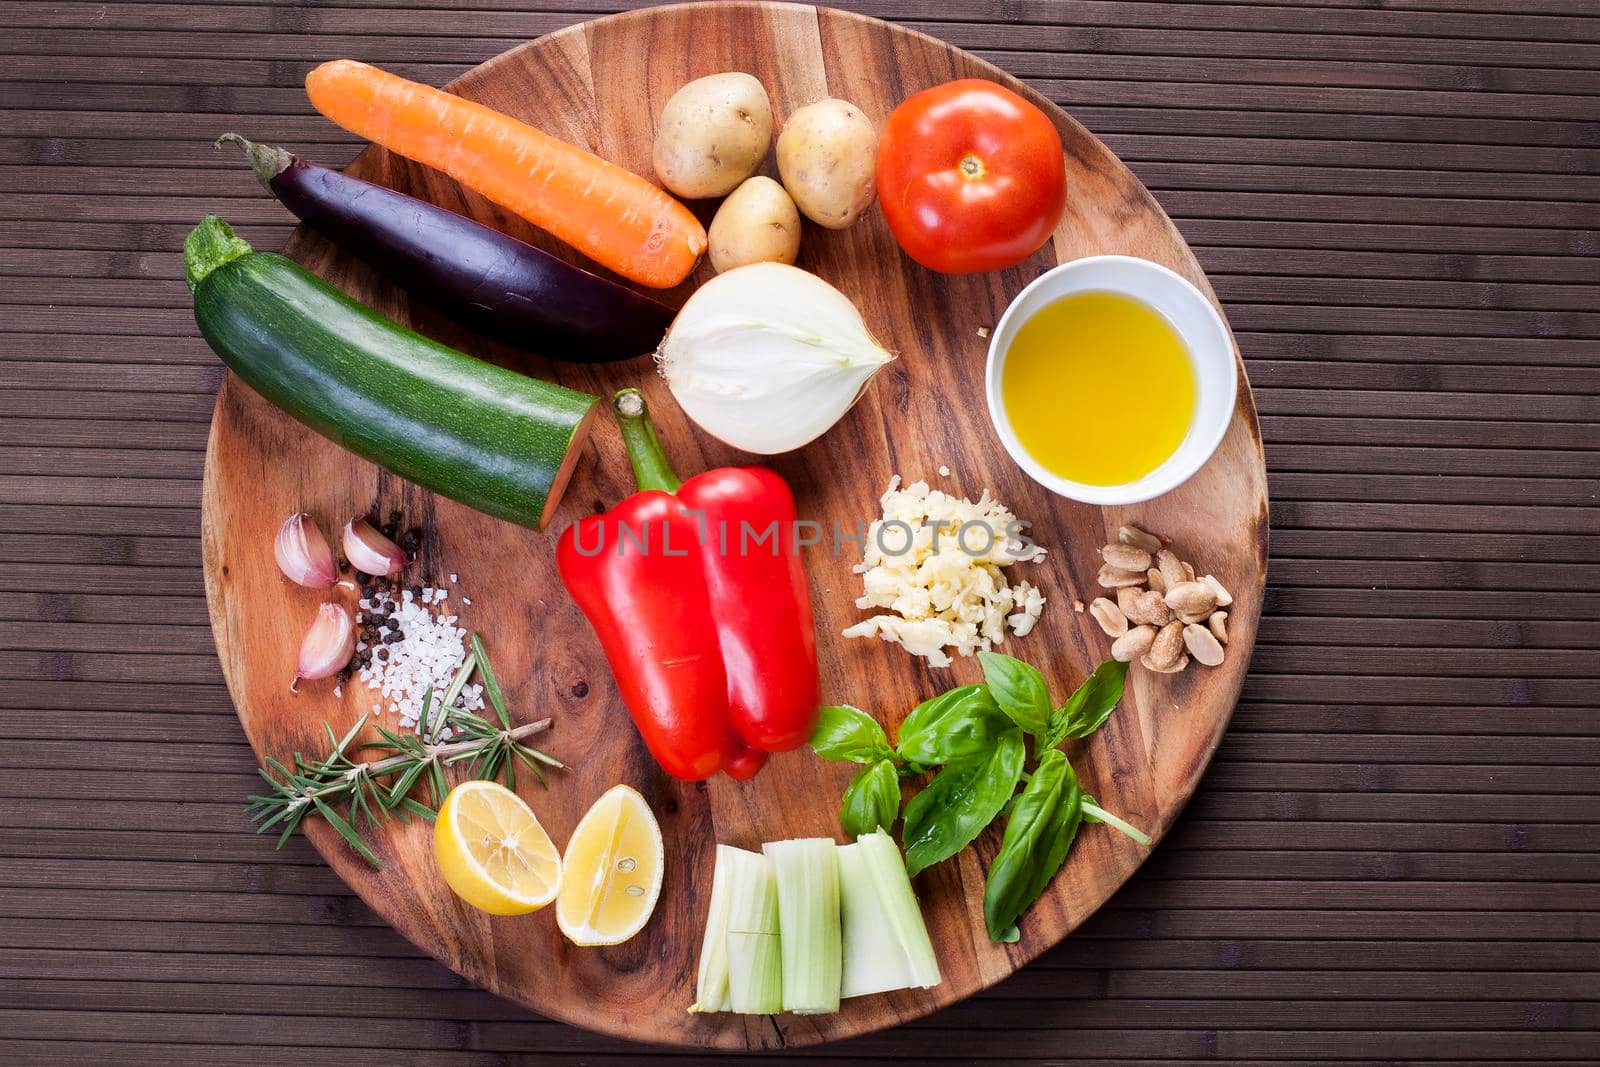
{"points": [[1099, 388]]}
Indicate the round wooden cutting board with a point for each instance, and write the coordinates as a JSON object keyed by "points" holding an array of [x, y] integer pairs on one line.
{"points": [[600, 85]]}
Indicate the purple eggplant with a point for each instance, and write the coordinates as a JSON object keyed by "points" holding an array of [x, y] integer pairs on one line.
{"points": [[499, 286]]}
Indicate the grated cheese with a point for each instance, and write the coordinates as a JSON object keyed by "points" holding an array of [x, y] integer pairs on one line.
{"points": [[946, 588]]}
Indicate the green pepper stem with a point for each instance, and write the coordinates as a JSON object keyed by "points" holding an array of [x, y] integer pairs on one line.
{"points": [[650, 467], [209, 246]]}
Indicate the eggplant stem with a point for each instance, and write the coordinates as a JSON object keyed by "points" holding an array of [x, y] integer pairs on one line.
{"points": [[650, 466], [268, 162]]}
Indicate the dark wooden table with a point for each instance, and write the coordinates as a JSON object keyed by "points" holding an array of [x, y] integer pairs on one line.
{"points": [[1394, 855]]}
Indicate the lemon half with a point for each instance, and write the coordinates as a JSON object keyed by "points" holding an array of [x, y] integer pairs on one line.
{"points": [[492, 851], [612, 870]]}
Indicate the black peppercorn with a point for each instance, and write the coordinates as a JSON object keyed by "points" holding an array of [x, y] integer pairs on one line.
{"points": [[383, 653], [393, 636], [410, 540]]}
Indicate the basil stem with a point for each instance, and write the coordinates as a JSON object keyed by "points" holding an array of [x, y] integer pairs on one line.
{"points": [[1093, 812]]}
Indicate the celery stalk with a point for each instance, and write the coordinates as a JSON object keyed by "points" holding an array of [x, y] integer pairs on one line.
{"points": [[711, 985], [886, 944], [740, 966], [807, 871], [755, 968]]}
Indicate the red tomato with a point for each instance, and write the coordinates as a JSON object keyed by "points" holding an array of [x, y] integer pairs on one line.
{"points": [[970, 177]]}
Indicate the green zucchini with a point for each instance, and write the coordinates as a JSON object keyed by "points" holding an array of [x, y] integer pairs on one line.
{"points": [[493, 439]]}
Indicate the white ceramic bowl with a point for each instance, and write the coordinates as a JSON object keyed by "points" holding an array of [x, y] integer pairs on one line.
{"points": [[1204, 335]]}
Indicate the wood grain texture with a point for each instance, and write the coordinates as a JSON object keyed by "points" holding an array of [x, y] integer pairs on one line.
{"points": [[1379, 868], [260, 466]]}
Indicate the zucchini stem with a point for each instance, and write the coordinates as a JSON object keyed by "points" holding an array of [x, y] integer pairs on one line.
{"points": [[209, 246], [650, 466]]}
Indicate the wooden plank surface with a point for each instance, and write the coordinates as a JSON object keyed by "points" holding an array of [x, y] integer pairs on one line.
{"points": [[1394, 855]]}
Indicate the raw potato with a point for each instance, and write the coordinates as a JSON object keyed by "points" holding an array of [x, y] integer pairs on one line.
{"points": [[827, 156], [757, 224], [713, 134]]}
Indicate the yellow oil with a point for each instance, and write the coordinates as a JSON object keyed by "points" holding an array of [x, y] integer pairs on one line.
{"points": [[1098, 388]]}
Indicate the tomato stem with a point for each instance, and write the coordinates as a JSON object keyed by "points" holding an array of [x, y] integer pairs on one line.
{"points": [[972, 167]]}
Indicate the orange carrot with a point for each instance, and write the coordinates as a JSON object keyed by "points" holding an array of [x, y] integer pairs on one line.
{"points": [[611, 215]]}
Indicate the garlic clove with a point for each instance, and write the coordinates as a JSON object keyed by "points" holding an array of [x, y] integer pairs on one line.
{"points": [[369, 551], [328, 644], [303, 554]]}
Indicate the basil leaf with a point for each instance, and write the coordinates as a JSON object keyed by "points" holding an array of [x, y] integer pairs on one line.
{"points": [[846, 733], [1040, 832], [1019, 690], [1088, 708], [961, 800], [951, 728], [871, 800]]}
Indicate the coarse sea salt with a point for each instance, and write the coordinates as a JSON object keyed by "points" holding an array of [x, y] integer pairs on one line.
{"points": [[428, 655]]}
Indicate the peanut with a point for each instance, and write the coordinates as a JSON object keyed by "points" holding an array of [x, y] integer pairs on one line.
{"points": [[1163, 615], [1224, 598], [1171, 568], [1132, 535], [1109, 616], [1133, 644], [1190, 598], [1112, 578], [1149, 608], [1167, 646], [1172, 668], [1125, 557], [1202, 644]]}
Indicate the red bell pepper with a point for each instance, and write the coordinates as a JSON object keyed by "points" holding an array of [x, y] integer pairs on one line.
{"points": [[698, 595]]}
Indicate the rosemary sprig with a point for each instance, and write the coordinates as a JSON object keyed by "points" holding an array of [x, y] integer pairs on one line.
{"points": [[340, 781]]}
